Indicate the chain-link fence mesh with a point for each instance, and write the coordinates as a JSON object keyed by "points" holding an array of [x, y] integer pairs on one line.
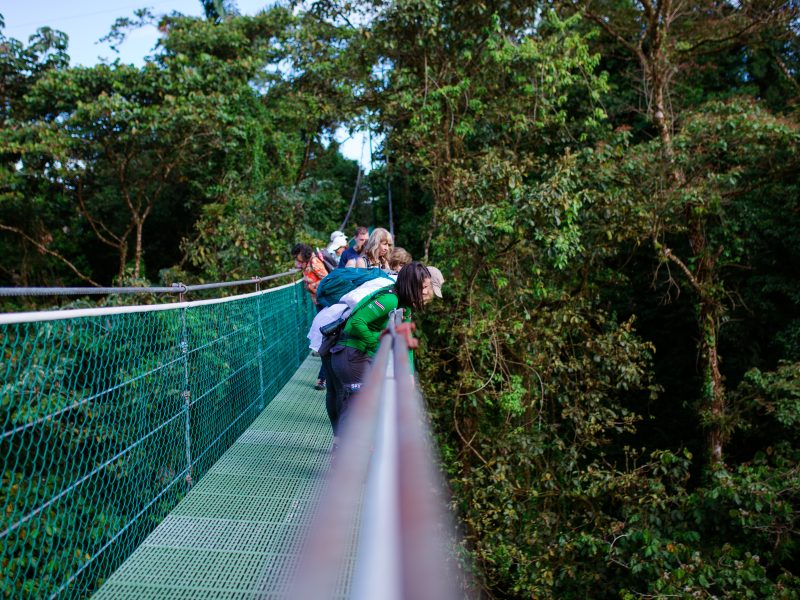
{"points": [[108, 418]]}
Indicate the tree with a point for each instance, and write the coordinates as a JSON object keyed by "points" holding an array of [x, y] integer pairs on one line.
{"points": [[119, 138], [21, 67], [530, 377], [668, 40]]}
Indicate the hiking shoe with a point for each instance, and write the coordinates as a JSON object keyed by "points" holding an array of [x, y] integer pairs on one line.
{"points": [[320, 385]]}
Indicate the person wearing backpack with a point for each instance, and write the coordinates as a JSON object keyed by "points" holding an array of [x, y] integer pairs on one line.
{"points": [[359, 339], [314, 271], [341, 282], [324, 335]]}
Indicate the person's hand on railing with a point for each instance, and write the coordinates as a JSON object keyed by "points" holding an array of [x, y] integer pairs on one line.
{"points": [[406, 330]]}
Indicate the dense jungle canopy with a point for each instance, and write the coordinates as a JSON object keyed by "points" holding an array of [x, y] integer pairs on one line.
{"points": [[612, 190]]}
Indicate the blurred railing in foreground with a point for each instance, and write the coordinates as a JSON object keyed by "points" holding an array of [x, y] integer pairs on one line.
{"points": [[387, 466]]}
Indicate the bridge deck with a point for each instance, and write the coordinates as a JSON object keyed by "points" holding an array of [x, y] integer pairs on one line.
{"points": [[232, 536]]}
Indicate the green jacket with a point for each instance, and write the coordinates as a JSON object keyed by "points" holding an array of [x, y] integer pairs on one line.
{"points": [[363, 328]]}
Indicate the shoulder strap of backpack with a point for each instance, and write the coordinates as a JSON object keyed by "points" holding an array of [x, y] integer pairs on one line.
{"points": [[370, 298], [325, 260]]}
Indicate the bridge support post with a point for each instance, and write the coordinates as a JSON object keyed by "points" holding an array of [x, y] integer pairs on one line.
{"points": [[260, 405], [297, 302], [186, 396]]}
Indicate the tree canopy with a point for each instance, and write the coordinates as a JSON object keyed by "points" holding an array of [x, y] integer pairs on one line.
{"points": [[610, 188]]}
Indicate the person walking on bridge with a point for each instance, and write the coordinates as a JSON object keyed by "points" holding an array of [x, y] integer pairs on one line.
{"points": [[376, 251], [398, 258], [336, 248]]}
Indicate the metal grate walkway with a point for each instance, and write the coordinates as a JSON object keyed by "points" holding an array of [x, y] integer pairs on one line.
{"points": [[232, 537]]}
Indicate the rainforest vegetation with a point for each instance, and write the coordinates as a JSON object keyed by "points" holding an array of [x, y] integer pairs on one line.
{"points": [[611, 188]]}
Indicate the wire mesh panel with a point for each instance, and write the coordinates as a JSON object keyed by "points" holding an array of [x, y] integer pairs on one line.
{"points": [[110, 415], [236, 534]]}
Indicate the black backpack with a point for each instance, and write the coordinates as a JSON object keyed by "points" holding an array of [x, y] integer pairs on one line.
{"points": [[330, 265]]}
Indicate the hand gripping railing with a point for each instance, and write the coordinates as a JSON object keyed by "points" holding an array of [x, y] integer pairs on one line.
{"points": [[386, 464]]}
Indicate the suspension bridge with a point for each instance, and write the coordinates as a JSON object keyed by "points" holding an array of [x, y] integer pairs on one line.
{"points": [[179, 450]]}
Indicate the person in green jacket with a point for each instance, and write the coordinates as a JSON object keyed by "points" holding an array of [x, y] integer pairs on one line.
{"points": [[351, 357]]}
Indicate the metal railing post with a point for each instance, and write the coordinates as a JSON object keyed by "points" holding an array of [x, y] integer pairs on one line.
{"points": [[260, 354], [297, 316], [186, 394]]}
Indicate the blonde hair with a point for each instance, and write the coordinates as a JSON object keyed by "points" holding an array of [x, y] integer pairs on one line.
{"points": [[373, 247], [398, 258]]}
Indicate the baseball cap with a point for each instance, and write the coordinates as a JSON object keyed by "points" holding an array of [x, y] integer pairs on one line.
{"points": [[336, 243], [437, 279]]}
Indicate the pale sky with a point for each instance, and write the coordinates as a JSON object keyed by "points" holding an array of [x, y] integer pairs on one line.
{"points": [[86, 21]]}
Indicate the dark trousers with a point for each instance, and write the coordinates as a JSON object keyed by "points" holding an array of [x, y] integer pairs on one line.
{"points": [[322, 374], [346, 369], [333, 394]]}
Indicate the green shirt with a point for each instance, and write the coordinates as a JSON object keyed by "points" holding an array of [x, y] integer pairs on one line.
{"points": [[363, 328]]}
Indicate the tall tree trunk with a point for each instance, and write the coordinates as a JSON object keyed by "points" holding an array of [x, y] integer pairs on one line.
{"points": [[301, 171], [123, 257], [138, 250], [659, 114], [713, 408], [713, 389], [709, 309], [656, 65]]}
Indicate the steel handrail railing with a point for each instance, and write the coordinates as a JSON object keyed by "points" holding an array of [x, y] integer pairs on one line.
{"points": [[175, 288], [427, 531], [386, 465]]}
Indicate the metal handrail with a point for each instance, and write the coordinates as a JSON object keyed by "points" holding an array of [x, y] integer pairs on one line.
{"points": [[386, 457], [323, 552], [429, 570], [175, 288]]}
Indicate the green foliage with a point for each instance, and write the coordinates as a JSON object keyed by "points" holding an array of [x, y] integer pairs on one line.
{"points": [[449, 106], [116, 154], [610, 190], [247, 236], [21, 66], [722, 539], [554, 500], [770, 403], [327, 190]]}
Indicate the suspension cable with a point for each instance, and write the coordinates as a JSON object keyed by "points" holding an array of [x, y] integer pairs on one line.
{"points": [[389, 189], [352, 200]]}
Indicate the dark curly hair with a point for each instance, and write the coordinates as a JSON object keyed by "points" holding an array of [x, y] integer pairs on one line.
{"points": [[409, 285], [303, 250]]}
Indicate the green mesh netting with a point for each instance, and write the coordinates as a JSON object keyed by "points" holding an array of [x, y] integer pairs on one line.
{"points": [[236, 534], [108, 419]]}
